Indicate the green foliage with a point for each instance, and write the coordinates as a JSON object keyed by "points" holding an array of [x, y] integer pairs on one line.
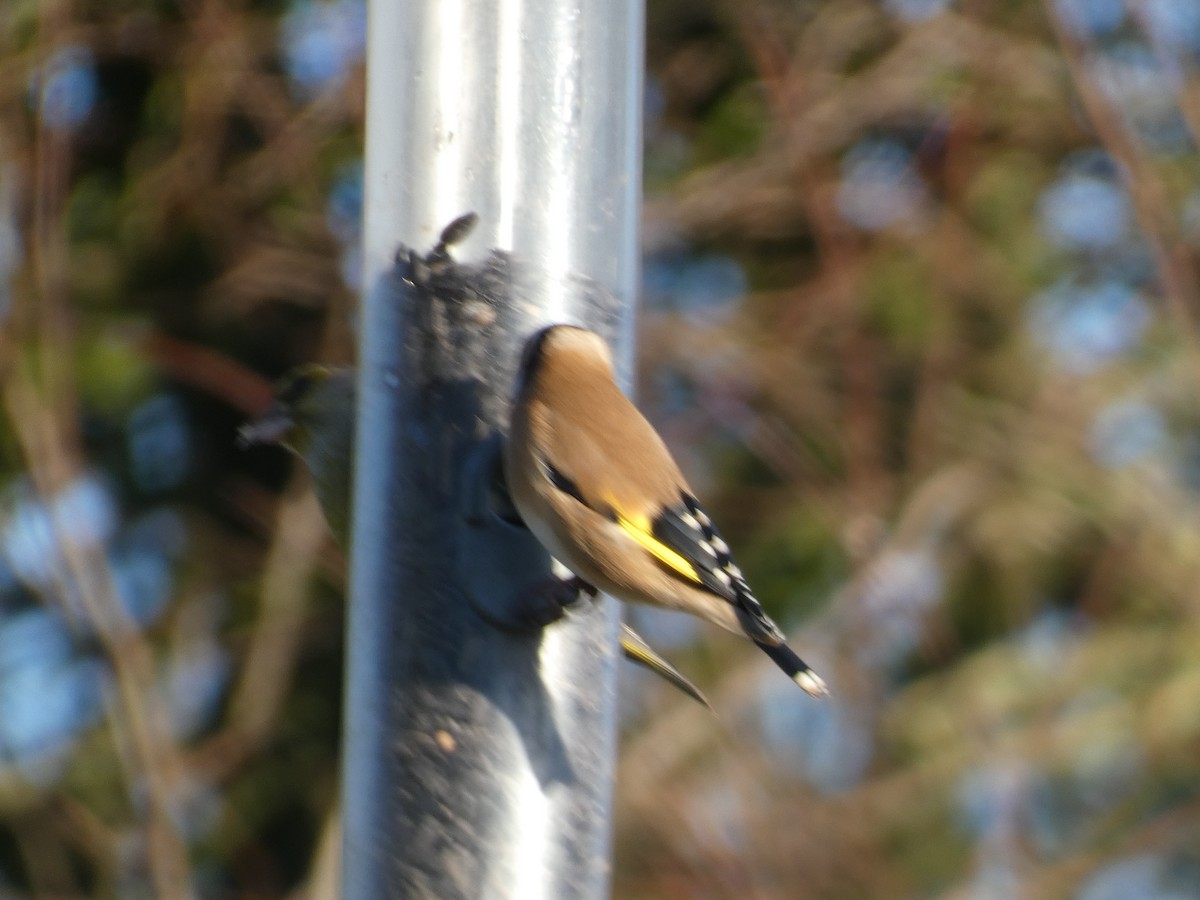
{"points": [[733, 127], [795, 561], [899, 295], [113, 371]]}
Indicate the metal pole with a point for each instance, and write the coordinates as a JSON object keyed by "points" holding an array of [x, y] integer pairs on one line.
{"points": [[478, 756]]}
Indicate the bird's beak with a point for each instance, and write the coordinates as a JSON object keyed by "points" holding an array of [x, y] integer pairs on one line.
{"points": [[271, 427]]}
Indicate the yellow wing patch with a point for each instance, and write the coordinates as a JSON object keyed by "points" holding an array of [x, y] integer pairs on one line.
{"points": [[639, 529]]}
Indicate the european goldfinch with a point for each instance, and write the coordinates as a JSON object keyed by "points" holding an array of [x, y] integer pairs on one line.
{"points": [[597, 485], [313, 416]]}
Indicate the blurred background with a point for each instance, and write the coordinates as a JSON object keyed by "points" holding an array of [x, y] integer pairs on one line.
{"points": [[920, 322]]}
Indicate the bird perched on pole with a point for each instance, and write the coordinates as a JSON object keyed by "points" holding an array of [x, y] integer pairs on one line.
{"points": [[597, 485], [313, 416]]}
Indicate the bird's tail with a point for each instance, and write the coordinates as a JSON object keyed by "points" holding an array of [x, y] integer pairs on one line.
{"points": [[759, 628], [796, 668]]}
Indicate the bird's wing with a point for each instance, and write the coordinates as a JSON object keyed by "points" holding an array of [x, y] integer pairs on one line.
{"points": [[609, 458], [683, 538], [615, 488], [686, 544], [680, 536], [678, 533]]}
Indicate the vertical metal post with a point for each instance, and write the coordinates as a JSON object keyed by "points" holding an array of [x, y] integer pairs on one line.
{"points": [[478, 757]]}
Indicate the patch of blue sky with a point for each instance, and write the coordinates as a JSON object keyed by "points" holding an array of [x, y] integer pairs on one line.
{"points": [[706, 289], [66, 88], [1085, 212], [916, 11], [989, 797], [343, 216], [158, 441], [879, 188], [1135, 876], [344, 209], [143, 582], [1090, 18], [1127, 431], [1047, 640], [85, 511], [1085, 325], [722, 807], [824, 741], [1173, 25], [33, 637], [665, 628], [47, 694], [1142, 85], [321, 41], [897, 592], [194, 685], [30, 544], [350, 266], [38, 710]]}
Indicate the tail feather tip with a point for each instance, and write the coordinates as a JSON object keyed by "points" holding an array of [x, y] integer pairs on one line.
{"points": [[811, 683]]}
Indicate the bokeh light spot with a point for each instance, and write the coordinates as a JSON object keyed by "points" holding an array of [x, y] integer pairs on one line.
{"points": [[879, 187]]}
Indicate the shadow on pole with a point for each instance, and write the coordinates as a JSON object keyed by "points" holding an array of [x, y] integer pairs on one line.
{"points": [[479, 747], [487, 767]]}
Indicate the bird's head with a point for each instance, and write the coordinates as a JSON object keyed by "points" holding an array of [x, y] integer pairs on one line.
{"points": [[304, 399], [566, 347]]}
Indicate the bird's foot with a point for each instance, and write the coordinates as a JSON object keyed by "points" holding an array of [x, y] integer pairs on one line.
{"points": [[546, 601]]}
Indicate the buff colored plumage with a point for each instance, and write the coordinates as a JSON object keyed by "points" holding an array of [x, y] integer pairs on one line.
{"points": [[597, 485]]}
